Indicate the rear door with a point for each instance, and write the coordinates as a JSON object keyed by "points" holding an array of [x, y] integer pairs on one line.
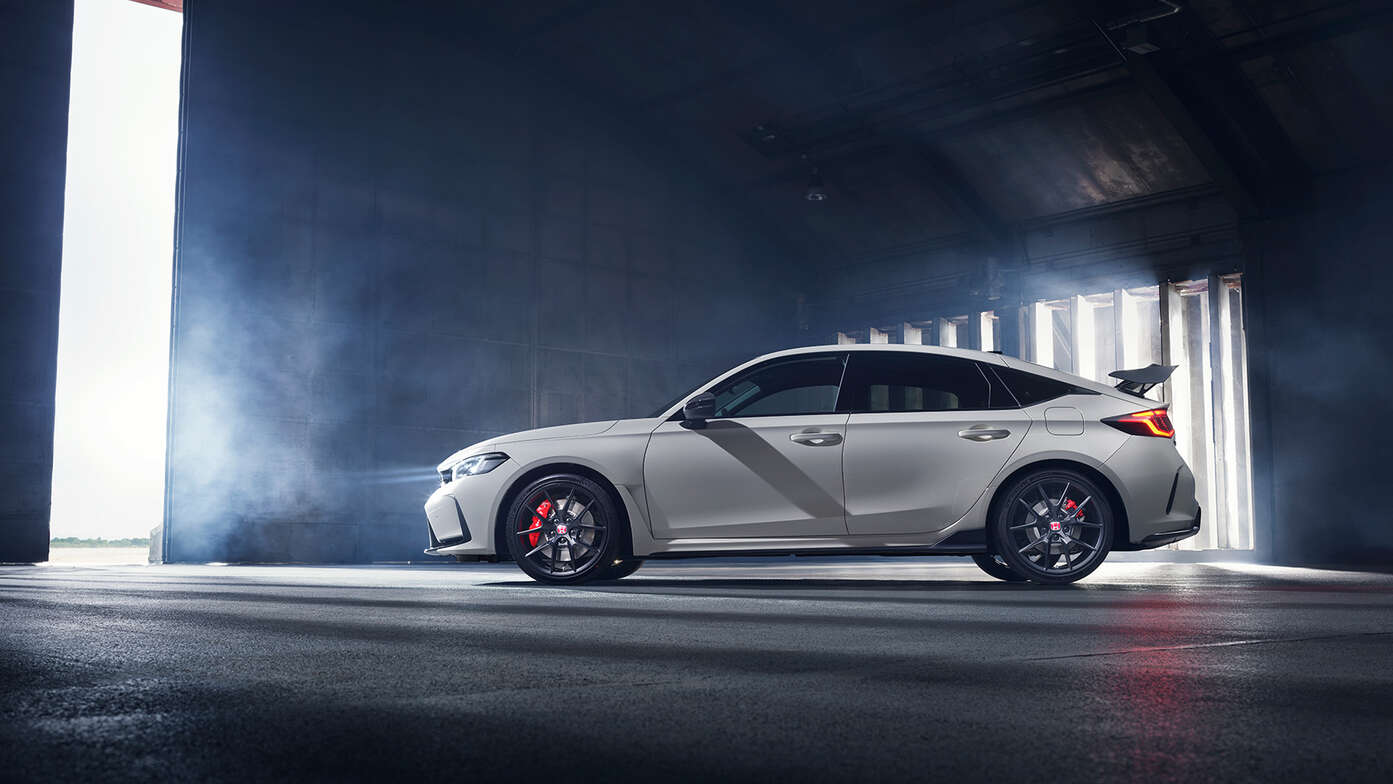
{"points": [[925, 434]]}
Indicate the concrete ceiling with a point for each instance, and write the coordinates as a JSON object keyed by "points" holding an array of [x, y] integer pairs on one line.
{"points": [[931, 120]]}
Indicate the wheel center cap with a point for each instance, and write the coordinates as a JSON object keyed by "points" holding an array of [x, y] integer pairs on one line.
{"points": [[561, 529], [1055, 526]]}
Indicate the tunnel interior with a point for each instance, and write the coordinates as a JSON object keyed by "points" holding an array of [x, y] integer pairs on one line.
{"points": [[400, 229], [401, 233]]}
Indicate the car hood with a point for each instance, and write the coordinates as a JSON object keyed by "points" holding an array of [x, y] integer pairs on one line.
{"points": [[561, 431]]}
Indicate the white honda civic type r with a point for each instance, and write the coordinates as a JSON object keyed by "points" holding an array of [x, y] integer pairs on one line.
{"points": [[836, 450]]}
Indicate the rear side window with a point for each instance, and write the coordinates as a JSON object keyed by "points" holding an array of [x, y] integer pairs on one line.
{"points": [[878, 381], [1029, 388]]}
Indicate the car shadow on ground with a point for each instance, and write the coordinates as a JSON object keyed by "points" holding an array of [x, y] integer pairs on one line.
{"points": [[687, 585]]}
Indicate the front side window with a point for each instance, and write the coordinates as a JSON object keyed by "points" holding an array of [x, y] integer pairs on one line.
{"points": [[783, 387], [889, 381]]}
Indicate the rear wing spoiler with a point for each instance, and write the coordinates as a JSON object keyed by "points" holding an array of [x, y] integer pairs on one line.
{"points": [[1139, 381]]}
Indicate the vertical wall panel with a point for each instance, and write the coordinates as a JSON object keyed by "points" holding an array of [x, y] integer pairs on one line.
{"points": [[1321, 368], [35, 61]]}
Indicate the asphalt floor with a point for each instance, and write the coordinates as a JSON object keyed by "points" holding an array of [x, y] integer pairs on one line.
{"points": [[780, 670]]}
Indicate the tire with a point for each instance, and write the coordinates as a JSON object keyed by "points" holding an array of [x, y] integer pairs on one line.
{"points": [[1053, 526], [994, 566], [618, 571], [580, 551]]}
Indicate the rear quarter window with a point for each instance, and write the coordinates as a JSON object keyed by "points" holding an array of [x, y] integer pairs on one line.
{"points": [[1030, 388]]}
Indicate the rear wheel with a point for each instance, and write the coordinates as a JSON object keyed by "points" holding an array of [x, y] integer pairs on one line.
{"points": [[564, 529], [992, 564], [1054, 526]]}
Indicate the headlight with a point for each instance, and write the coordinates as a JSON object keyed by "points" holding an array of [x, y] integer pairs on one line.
{"points": [[477, 464]]}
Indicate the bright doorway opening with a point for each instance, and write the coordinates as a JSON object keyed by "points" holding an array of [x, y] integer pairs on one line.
{"points": [[113, 323]]}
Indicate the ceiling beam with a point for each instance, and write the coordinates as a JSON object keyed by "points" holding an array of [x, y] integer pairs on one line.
{"points": [[1238, 192], [1212, 104], [1194, 81], [1283, 35], [949, 182], [819, 48]]}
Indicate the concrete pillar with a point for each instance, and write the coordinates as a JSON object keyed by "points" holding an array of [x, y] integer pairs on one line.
{"points": [[974, 331], [1123, 335], [1008, 331], [1081, 339], [1041, 335], [947, 333], [911, 335]]}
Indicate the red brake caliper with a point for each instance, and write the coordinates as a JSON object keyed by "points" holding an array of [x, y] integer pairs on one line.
{"points": [[1070, 506], [535, 532]]}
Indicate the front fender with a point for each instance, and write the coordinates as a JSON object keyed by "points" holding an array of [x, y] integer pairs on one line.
{"points": [[616, 455]]}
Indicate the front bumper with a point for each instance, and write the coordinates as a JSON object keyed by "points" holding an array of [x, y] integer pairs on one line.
{"points": [[460, 514], [446, 525]]}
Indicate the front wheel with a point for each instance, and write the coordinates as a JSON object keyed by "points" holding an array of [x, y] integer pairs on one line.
{"points": [[1053, 526], [564, 529]]}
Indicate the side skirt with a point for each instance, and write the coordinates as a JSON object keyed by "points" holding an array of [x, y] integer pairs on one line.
{"points": [[967, 542], [942, 549]]}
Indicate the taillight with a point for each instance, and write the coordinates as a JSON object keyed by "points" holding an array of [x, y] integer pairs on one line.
{"points": [[1154, 422]]}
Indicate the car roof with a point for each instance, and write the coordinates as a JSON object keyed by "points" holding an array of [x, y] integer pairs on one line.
{"points": [[983, 356], [989, 357]]}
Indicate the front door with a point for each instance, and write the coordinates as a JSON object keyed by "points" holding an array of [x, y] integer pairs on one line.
{"points": [[769, 464]]}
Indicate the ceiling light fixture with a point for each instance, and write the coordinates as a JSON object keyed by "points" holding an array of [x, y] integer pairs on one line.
{"points": [[817, 189]]}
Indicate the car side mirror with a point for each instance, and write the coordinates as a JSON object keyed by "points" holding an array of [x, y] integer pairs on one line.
{"points": [[699, 409]]}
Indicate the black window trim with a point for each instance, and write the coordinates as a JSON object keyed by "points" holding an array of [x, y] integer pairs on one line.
{"points": [[982, 366], [843, 355], [846, 356], [1068, 389], [1015, 404]]}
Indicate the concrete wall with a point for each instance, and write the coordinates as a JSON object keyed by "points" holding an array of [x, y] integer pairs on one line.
{"points": [[35, 60], [394, 243], [1321, 366]]}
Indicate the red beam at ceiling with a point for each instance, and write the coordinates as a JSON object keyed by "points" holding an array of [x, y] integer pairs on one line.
{"points": [[173, 5]]}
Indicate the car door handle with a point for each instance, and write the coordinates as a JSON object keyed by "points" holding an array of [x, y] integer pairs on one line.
{"points": [[816, 439], [983, 433]]}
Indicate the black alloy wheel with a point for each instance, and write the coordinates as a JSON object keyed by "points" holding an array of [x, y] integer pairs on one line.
{"points": [[1054, 526], [563, 529]]}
